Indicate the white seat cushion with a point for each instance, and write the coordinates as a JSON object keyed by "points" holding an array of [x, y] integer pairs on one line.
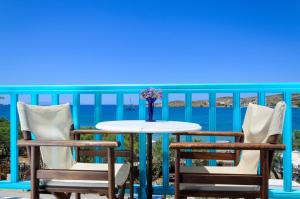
{"points": [[121, 175], [212, 169], [217, 187]]}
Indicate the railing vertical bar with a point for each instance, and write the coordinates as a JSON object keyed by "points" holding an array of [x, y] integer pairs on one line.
{"points": [[165, 141], [188, 118], [261, 98], [120, 115], [97, 118], [287, 140], [54, 99], [14, 176], [236, 112], [34, 99], [212, 122], [75, 110], [142, 152], [75, 114]]}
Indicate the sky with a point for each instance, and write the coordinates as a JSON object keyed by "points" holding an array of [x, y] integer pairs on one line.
{"points": [[128, 42]]}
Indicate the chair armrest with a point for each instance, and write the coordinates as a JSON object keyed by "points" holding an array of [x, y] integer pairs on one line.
{"points": [[212, 133], [69, 143], [94, 131], [241, 146]]}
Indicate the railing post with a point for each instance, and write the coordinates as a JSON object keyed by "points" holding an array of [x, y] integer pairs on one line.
{"points": [[261, 98], [75, 115], [76, 109], [14, 168], [34, 99], [236, 112], [55, 99], [120, 114], [142, 152], [188, 118], [212, 122], [165, 141], [97, 118], [287, 140]]}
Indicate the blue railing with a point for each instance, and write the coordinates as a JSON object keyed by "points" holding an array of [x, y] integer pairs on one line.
{"points": [[287, 89]]}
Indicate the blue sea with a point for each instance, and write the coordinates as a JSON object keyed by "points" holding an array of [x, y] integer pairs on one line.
{"points": [[199, 115]]}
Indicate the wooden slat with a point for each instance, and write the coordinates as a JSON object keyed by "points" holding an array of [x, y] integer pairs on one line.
{"points": [[243, 146], [241, 179], [207, 155], [212, 133], [64, 174], [68, 143], [103, 153]]}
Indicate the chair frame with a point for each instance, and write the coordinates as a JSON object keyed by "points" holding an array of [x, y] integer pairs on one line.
{"points": [[102, 148], [266, 155]]}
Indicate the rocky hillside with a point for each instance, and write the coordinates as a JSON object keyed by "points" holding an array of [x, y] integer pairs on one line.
{"points": [[271, 100]]}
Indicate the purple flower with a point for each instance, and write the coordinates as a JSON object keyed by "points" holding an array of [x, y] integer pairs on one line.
{"points": [[151, 94]]}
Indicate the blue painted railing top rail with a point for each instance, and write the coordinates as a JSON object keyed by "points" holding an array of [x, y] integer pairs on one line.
{"points": [[287, 89]]}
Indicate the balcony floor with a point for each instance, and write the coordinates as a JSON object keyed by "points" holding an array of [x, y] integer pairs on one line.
{"points": [[18, 194]]}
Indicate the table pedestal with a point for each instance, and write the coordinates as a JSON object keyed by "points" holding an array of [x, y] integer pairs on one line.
{"points": [[149, 189]]}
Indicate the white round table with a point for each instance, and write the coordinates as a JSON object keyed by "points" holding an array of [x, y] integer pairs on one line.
{"points": [[141, 126]]}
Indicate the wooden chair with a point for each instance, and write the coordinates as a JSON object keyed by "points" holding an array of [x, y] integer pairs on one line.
{"points": [[59, 173], [262, 128]]}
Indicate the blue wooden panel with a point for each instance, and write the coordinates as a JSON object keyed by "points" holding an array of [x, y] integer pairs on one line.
{"points": [[212, 122], [13, 139], [236, 112], [55, 99], [165, 141], [142, 152], [120, 115], [287, 140], [75, 114], [261, 98], [97, 118], [188, 118], [131, 88], [24, 185], [34, 99], [75, 110]]}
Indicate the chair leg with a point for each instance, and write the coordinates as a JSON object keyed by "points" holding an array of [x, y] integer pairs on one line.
{"points": [[77, 196], [34, 163]]}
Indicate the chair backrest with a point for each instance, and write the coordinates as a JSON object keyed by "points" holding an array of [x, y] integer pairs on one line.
{"points": [[259, 125], [49, 123]]}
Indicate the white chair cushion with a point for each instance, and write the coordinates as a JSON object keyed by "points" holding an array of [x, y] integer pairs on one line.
{"points": [[121, 175], [213, 169], [273, 184], [49, 123], [217, 187]]}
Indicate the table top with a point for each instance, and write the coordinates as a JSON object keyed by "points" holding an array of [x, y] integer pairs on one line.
{"points": [[141, 126]]}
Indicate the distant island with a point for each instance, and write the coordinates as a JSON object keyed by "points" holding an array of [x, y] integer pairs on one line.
{"points": [[271, 100]]}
